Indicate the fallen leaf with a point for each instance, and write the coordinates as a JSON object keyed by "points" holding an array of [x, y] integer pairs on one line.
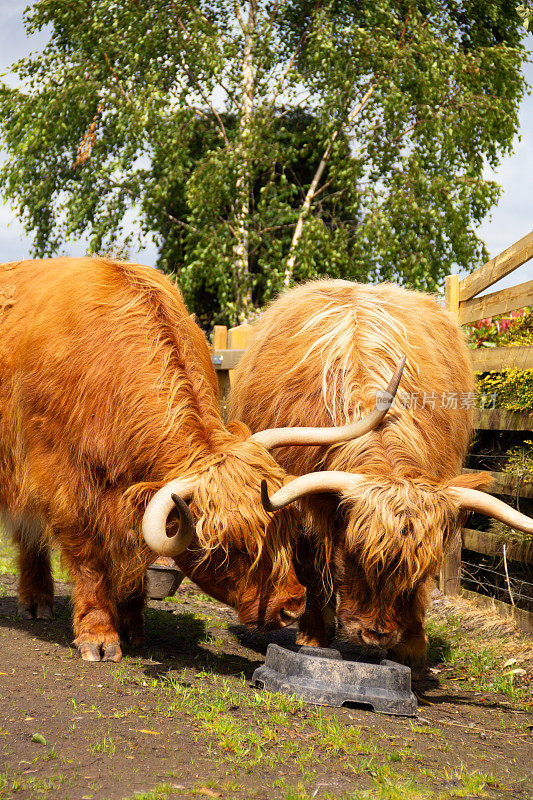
{"points": [[39, 738], [144, 730]]}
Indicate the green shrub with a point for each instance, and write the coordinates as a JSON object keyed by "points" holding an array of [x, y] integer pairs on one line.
{"points": [[513, 388]]}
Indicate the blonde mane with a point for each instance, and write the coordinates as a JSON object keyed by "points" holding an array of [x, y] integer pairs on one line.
{"points": [[319, 355]]}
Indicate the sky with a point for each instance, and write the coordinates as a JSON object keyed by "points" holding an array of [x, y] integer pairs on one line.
{"points": [[510, 220]]}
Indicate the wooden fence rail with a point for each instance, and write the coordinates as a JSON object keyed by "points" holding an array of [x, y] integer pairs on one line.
{"points": [[461, 299]]}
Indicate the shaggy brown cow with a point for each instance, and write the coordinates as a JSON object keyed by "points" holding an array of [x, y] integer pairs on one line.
{"points": [[320, 353], [107, 403]]}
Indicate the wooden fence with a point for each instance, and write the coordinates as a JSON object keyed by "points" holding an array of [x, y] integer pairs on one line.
{"points": [[461, 300], [228, 347]]}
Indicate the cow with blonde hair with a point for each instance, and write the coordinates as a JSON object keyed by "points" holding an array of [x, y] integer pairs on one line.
{"points": [[378, 510]]}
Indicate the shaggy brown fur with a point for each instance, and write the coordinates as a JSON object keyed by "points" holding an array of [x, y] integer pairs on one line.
{"points": [[108, 393], [318, 356]]}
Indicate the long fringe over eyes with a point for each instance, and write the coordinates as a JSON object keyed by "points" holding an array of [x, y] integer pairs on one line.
{"points": [[397, 532], [227, 507]]}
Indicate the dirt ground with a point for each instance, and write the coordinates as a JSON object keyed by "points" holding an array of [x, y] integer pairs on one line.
{"points": [[180, 719]]}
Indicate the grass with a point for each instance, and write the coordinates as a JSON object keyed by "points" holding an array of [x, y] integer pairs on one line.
{"points": [[260, 729], [260, 732], [8, 560], [252, 735], [8, 555], [426, 730], [336, 738], [160, 792], [105, 745], [36, 788], [248, 733], [475, 662], [471, 783]]}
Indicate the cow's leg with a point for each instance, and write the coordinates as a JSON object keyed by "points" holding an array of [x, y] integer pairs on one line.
{"points": [[94, 614], [36, 587], [130, 616], [412, 651], [412, 647], [317, 624]]}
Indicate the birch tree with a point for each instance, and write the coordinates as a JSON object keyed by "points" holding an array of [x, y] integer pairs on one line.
{"points": [[263, 143], [244, 167]]}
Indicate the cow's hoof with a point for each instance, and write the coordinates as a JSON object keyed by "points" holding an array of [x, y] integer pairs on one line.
{"points": [[418, 668], [44, 611], [89, 651], [306, 640], [112, 652], [25, 610]]}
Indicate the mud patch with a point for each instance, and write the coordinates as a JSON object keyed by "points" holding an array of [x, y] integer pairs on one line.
{"points": [[179, 719]]}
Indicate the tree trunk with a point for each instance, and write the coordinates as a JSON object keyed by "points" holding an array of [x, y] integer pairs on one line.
{"points": [[306, 205], [243, 288]]}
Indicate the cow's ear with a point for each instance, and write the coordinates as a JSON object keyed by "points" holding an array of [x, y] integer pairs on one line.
{"points": [[472, 480]]}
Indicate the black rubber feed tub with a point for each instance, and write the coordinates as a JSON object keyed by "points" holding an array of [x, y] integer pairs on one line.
{"points": [[162, 578], [321, 676]]}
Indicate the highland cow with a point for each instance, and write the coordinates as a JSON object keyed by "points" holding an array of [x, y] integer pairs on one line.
{"points": [[110, 431], [377, 511]]}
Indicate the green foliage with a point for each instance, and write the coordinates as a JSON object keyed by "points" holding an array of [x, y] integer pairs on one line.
{"points": [[513, 388], [520, 461], [140, 107], [521, 330], [504, 330], [526, 15]]}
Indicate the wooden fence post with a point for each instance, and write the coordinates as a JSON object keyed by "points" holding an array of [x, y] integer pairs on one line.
{"points": [[224, 341], [451, 294], [450, 571], [220, 337], [220, 342], [238, 339]]}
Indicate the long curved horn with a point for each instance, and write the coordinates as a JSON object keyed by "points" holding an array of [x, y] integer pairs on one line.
{"points": [[154, 521], [474, 500], [312, 483], [278, 437]]}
